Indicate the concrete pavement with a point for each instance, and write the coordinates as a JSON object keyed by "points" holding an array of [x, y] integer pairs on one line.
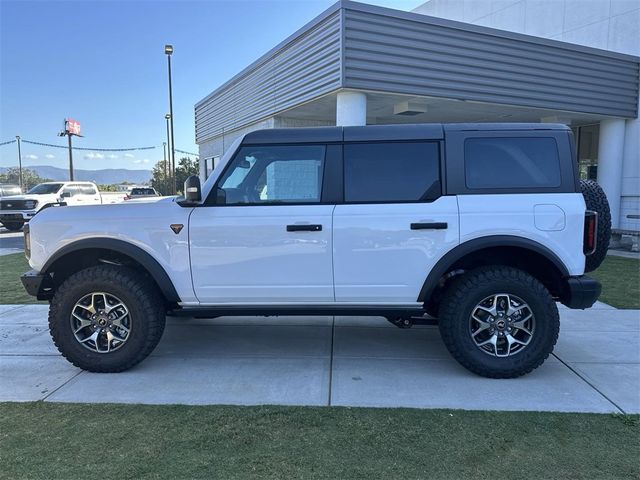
{"points": [[11, 242], [361, 361]]}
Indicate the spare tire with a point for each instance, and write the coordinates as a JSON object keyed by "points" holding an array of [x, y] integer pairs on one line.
{"points": [[596, 200]]}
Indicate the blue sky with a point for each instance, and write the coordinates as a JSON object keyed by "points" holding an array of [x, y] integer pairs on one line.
{"points": [[102, 63]]}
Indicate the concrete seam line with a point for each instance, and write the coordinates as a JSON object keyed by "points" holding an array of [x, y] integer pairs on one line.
{"points": [[333, 336], [64, 384], [589, 383]]}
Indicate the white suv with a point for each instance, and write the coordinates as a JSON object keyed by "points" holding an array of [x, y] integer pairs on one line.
{"points": [[16, 210], [481, 228]]}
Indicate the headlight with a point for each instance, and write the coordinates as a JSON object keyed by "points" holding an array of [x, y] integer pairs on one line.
{"points": [[30, 204], [27, 241]]}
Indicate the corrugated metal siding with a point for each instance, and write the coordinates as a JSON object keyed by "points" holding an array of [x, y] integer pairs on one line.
{"points": [[306, 67], [416, 55]]}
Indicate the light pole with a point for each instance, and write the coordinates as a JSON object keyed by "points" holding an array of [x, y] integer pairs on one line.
{"points": [[71, 128], [168, 50], [171, 172], [164, 156], [19, 161]]}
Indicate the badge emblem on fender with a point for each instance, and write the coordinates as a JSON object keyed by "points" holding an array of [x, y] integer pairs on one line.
{"points": [[176, 227]]}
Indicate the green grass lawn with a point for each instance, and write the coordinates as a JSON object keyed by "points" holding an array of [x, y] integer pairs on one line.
{"points": [[11, 289], [620, 279], [69, 441]]}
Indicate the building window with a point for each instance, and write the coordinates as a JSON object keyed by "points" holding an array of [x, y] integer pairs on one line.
{"points": [[587, 142]]}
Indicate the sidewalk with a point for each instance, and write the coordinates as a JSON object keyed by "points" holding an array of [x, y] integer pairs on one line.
{"points": [[349, 361]]}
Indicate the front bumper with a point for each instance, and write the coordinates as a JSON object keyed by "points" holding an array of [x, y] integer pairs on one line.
{"points": [[580, 292], [37, 284], [17, 215]]}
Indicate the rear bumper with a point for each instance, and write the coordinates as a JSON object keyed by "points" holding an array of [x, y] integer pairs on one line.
{"points": [[581, 292]]}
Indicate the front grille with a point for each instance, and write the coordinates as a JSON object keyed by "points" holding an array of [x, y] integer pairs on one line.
{"points": [[12, 204]]}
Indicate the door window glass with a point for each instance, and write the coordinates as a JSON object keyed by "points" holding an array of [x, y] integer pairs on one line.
{"points": [[275, 174], [70, 190], [511, 162], [391, 172]]}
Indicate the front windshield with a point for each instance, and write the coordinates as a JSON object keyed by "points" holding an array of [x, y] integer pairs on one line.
{"points": [[45, 188]]}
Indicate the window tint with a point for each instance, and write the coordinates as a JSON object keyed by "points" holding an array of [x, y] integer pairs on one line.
{"points": [[88, 190], [143, 191], [275, 174], [73, 190], [391, 172], [511, 162]]}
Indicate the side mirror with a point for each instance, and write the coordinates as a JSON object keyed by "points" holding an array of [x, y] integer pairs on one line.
{"points": [[221, 196], [65, 195], [192, 192]]}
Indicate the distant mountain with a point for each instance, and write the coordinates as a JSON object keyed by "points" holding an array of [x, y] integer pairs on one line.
{"points": [[105, 176]]}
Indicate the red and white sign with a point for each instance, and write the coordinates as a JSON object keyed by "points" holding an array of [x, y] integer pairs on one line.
{"points": [[71, 126]]}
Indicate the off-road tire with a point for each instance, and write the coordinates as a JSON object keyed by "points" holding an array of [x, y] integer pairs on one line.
{"points": [[596, 200], [13, 226], [142, 299], [470, 288]]}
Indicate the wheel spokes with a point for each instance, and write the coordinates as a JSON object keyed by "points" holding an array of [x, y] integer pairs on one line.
{"points": [[101, 322], [501, 325]]}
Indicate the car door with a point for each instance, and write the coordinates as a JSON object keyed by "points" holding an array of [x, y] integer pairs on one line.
{"points": [[394, 224], [88, 194], [70, 194], [267, 237]]}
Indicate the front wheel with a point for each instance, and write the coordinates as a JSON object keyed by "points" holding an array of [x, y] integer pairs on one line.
{"points": [[106, 318], [13, 226], [499, 322]]}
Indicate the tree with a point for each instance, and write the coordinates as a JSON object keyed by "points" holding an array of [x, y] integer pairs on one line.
{"points": [[184, 169], [29, 178], [158, 180]]}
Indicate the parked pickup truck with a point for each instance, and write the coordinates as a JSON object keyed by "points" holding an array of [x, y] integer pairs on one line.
{"points": [[17, 210], [482, 228]]}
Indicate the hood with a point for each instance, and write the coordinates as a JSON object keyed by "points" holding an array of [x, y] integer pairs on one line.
{"points": [[123, 213], [27, 196]]}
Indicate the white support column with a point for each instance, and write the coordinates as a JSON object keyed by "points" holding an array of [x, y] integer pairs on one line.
{"points": [[351, 109], [610, 154]]}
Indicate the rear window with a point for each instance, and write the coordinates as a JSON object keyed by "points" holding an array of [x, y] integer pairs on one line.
{"points": [[143, 191], [511, 162], [391, 172]]}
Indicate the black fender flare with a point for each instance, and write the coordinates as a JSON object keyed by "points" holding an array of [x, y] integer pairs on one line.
{"points": [[463, 249], [150, 264]]}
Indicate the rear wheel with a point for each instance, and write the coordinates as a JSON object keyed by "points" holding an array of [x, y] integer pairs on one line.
{"points": [[499, 322], [13, 226], [106, 318]]}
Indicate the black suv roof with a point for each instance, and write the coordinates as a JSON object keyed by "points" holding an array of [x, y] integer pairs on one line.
{"points": [[418, 131]]}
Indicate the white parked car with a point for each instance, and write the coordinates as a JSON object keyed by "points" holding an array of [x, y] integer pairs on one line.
{"points": [[16, 210], [481, 228]]}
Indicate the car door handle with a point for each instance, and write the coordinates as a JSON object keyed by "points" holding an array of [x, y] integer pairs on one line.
{"points": [[429, 226], [304, 228]]}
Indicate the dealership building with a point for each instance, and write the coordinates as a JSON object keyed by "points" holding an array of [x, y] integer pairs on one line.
{"points": [[453, 61]]}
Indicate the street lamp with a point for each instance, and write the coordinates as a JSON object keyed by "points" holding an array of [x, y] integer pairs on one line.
{"points": [[164, 157], [19, 161], [168, 50], [171, 171]]}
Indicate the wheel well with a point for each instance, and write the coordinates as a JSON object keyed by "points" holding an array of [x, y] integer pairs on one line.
{"points": [[74, 261], [534, 263]]}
